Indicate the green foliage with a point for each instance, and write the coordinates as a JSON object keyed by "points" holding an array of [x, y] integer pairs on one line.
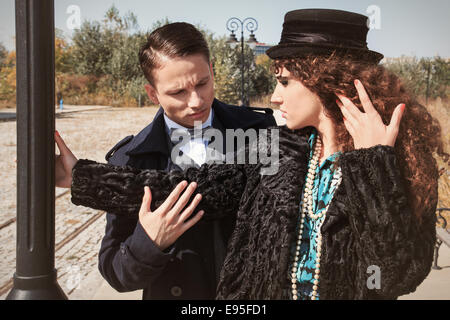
{"points": [[114, 21], [160, 23], [101, 66], [124, 62], [223, 59], [96, 45], [264, 79], [3, 54], [63, 54], [226, 60], [427, 77], [8, 80], [91, 51], [109, 52]]}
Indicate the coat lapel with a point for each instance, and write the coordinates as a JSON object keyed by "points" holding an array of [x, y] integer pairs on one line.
{"points": [[153, 139]]}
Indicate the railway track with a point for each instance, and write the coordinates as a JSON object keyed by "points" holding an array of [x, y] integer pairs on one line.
{"points": [[12, 116], [5, 287], [12, 220]]}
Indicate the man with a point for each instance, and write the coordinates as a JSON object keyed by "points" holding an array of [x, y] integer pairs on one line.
{"points": [[144, 252]]}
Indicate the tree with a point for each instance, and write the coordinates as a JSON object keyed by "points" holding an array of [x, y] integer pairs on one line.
{"points": [[263, 79], [124, 62], [8, 79], [258, 79], [160, 23], [91, 52], [124, 67], [439, 79], [95, 43], [426, 77], [104, 56], [63, 59], [114, 21], [3, 55], [226, 74]]}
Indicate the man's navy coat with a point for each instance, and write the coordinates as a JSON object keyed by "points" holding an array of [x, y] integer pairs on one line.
{"points": [[129, 260]]}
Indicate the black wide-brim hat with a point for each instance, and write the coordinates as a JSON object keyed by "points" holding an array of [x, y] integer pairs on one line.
{"points": [[323, 31]]}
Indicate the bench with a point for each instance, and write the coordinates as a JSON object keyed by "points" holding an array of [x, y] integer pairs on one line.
{"points": [[442, 236]]}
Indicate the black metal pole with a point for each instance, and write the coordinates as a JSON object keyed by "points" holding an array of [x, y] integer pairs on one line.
{"points": [[233, 25], [35, 276], [242, 65]]}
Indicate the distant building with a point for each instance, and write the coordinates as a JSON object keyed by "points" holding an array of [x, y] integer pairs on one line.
{"points": [[260, 48]]}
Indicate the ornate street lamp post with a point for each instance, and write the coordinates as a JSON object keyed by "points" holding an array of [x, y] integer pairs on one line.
{"points": [[35, 277], [233, 24]]}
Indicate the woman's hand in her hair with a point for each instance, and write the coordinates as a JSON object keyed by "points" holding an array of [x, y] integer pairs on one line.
{"points": [[64, 162], [367, 128]]}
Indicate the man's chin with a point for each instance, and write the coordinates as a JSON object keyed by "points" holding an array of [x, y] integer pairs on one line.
{"points": [[199, 117]]}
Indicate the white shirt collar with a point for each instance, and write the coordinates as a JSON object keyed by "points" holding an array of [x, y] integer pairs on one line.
{"points": [[196, 148]]}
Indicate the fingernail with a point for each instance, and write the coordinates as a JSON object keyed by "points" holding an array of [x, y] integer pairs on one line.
{"points": [[194, 184], [403, 107], [356, 82], [57, 133]]}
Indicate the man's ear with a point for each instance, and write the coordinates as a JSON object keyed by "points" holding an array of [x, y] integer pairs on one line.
{"points": [[151, 93]]}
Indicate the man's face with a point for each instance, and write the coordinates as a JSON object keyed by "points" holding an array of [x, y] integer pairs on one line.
{"points": [[184, 87]]}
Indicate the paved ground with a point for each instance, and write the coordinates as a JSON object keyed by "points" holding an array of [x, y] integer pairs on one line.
{"points": [[76, 254], [435, 287], [79, 230]]}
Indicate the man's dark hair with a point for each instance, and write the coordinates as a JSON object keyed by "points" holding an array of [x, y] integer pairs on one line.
{"points": [[174, 40]]}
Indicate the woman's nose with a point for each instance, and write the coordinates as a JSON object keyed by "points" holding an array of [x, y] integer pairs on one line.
{"points": [[275, 98]]}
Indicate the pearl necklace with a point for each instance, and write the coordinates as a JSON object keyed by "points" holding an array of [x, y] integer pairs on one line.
{"points": [[307, 208]]}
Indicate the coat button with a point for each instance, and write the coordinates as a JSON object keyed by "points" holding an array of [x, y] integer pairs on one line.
{"points": [[176, 291]]}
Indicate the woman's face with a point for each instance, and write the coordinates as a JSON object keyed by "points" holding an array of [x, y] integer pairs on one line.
{"points": [[299, 106]]}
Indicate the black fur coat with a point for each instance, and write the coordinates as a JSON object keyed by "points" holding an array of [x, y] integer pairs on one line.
{"points": [[368, 223]]}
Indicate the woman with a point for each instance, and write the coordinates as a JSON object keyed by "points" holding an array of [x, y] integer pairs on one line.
{"points": [[351, 194]]}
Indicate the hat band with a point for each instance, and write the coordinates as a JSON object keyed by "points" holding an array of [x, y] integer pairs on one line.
{"points": [[298, 38]]}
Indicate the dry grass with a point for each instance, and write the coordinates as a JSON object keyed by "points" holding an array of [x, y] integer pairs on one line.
{"points": [[441, 111], [4, 104]]}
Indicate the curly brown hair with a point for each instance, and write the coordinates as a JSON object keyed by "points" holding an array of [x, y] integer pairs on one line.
{"points": [[419, 137]]}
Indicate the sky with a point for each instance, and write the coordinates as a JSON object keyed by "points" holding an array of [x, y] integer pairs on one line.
{"points": [[400, 27]]}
